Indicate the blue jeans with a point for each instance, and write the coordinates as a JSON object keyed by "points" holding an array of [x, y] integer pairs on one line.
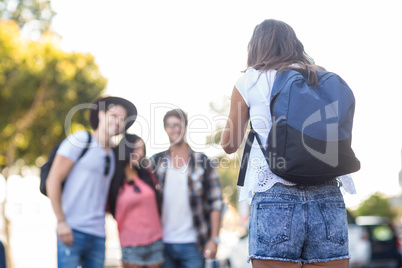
{"points": [[301, 224], [183, 256], [87, 250]]}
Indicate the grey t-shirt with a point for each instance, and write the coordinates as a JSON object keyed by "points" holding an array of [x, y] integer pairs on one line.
{"points": [[86, 188]]}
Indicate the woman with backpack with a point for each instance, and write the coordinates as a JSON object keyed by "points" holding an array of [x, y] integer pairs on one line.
{"points": [[291, 224], [133, 203]]}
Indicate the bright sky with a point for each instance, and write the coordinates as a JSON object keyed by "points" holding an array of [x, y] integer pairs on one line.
{"points": [[166, 54]]}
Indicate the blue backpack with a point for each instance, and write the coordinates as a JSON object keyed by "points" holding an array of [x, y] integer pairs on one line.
{"points": [[311, 135]]}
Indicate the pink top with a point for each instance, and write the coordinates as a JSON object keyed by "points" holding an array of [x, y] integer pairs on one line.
{"points": [[137, 215]]}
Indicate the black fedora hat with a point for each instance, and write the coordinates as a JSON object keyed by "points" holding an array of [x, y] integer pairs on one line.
{"points": [[106, 102]]}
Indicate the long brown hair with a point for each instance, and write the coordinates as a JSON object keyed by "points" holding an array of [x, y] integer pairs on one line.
{"points": [[126, 145], [274, 45]]}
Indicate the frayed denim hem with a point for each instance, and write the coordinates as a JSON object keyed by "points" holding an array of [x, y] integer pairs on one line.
{"points": [[327, 260], [270, 258], [297, 261]]}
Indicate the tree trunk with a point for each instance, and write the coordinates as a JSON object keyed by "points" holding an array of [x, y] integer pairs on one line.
{"points": [[10, 156]]}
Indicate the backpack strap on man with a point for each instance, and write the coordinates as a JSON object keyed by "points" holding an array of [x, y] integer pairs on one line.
{"points": [[86, 146], [45, 169]]}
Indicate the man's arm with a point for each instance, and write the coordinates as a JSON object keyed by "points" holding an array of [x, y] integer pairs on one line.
{"points": [[60, 168], [214, 196], [211, 246]]}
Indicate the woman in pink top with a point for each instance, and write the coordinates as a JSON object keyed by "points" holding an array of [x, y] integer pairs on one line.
{"points": [[133, 203]]}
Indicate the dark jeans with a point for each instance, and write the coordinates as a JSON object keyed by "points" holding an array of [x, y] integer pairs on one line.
{"points": [[183, 256]]}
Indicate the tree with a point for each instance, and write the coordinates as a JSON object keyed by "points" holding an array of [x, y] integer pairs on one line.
{"points": [[39, 85], [228, 166], [33, 16], [376, 205], [228, 171]]}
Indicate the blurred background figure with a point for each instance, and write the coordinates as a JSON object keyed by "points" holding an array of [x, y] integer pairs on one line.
{"points": [[2, 256], [191, 198], [75, 180], [133, 202]]}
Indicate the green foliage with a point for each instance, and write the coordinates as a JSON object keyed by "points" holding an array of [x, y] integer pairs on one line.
{"points": [[228, 171], [376, 205], [222, 109], [36, 15], [228, 168], [39, 85]]}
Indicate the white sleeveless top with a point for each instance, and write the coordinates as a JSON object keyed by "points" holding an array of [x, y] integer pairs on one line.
{"points": [[255, 87]]}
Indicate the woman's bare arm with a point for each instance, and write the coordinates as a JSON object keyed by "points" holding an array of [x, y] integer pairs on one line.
{"points": [[236, 125]]}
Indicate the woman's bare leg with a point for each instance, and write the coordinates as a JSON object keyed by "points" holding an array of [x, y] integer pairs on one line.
{"points": [[330, 264], [285, 264], [129, 265], [274, 264], [154, 266]]}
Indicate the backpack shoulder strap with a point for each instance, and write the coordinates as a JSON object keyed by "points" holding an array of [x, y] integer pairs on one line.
{"points": [[279, 84], [87, 145], [281, 79], [246, 156]]}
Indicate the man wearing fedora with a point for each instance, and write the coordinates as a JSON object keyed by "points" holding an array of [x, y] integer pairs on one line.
{"points": [[78, 184]]}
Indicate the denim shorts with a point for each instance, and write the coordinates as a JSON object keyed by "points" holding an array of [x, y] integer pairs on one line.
{"points": [[143, 255], [303, 224]]}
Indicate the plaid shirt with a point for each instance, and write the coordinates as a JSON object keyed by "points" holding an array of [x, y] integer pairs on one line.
{"points": [[205, 193]]}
